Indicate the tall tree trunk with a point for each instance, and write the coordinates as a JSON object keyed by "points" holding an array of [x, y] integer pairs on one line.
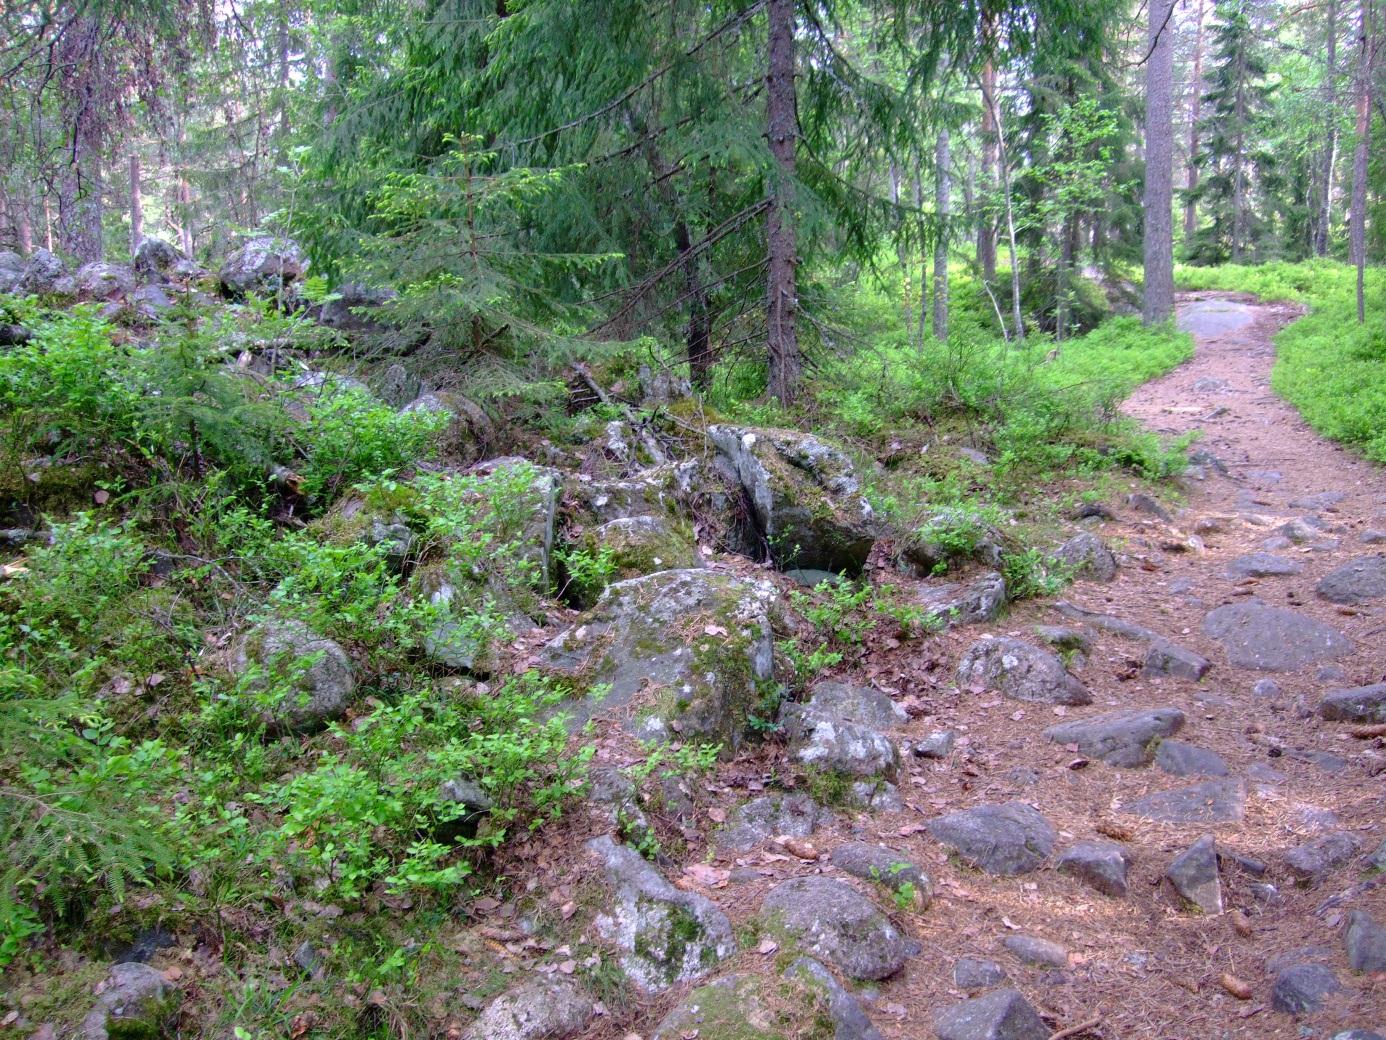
{"points": [[923, 264], [941, 238], [986, 226], [1195, 97], [23, 226], [1003, 166], [1322, 219], [48, 223], [1357, 232], [1157, 204], [901, 254], [782, 302], [136, 205], [80, 204]]}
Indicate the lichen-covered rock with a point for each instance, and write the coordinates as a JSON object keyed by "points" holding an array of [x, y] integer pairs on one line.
{"points": [[651, 492], [266, 264], [1001, 1015], [1007, 839], [1085, 556], [1360, 704], [43, 274], [770, 815], [805, 497], [1119, 738], [540, 1008], [136, 1002], [834, 921], [313, 671], [1021, 671], [156, 259], [885, 867], [1194, 875], [957, 603], [846, 748], [849, 702], [637, 546], [100, 280], [1101, 864], [693, 645], [805, 1002], [948, 538], [665, 936]]}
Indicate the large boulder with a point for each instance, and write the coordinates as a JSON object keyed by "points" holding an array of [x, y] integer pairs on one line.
{"points": [[804, 495], [1007, 839], [265, 265], [1120, 738], [310, 676], [695, 647], [634, 546], [157, 260], [100, 280], [665, 936], [834, 921], [1273, 639], [43, 274], [135, 1002], [1020, 671], [539, 1008], [11, 270]]}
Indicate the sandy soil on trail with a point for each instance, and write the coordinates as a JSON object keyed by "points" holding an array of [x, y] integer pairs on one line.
{"points": [[1142, 965]]}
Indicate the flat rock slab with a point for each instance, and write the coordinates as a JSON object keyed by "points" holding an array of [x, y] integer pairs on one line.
{"points": [[1100, 864], [1020, 671], [1263, 565], [1002, 1015], [1273, 639], [834, 921], [1359, 704], [1302, 989], [1180, 759], [1119, 738], [1213, 801], [1007, 839], [1365, 942], [1359, 581], [537, 1009]]}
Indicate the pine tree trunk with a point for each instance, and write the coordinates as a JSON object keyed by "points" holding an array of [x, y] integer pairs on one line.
{"points": [[901, 256], [782, 303], [136, 205], [23, 226], [1157, 204], [1322, 218], [1357, 232], [986, 226], [1195, 97], [941, 239], [923, 265]]}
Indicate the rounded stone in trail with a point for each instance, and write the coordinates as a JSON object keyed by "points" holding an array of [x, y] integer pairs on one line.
{"points": [[1007, 839], [1359, 581], [1263, 565], [1273, 639], [1214, 317], [1120, 738], [1213, 801]]}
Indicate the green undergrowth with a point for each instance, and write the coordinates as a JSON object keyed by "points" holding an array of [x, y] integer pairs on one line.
{"points": [[1332, 369]]}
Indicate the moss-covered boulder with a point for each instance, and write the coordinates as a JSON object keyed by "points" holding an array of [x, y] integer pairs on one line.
{"points": [[136, 1002], [305, 680], [632, 547], [470, 615], [805, 498], [684, 653], [800, 1005], [376, 517], [468, 431], [656, 491]]}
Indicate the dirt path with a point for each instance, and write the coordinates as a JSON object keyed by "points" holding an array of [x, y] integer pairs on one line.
{"points": [[1143, 963]]}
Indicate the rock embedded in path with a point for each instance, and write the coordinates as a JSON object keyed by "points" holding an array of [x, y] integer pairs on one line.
{"points": [[1365, 942], [952, 603], [1376, 860], [844, 1010], [936, 745], [844, 748], [768, 816], [1119, 738], [1164, 658], [136, 1001], [1102, 865], [1020, 671], [665, 936], [1180, 759], [1007, 839], [1313, 860], [1001, 1015], [1213, 801], [1194, 875], [834, 921], [1360, 581], [1085, 556], [1302, 988], [1359, 704], [540, 1008], [848, 702], [1272, 639], [1036, 951], [885, 867], [973, 973], [1263, 565]]}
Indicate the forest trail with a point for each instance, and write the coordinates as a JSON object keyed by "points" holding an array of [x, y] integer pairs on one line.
{"points": [[1144, 963]]}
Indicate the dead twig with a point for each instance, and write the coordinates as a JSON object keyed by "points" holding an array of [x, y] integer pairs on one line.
{"points": [[1078, 1030]]}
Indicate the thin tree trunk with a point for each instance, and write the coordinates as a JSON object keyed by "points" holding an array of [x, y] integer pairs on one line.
{"points": [[1195, 97], [1157, 204], [782, 303], [23, 226], [941, 239], [136, 205], [901, 255], [7, 224], [1323, 217], [986, 226], [923, 266], [1003, 166], [1357, 232], [48, 223]]}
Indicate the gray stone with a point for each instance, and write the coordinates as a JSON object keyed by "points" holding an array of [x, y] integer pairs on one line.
{"points": [[1119, 738], [1084, 556], [1359, 581], [1249, 865], [43, 273], [1194, 875], [1311, 861], [309, 960], [846, 748], [875, 794], [135, 1001], [952, 603], [1007, 839], [1273, 639], [951, 537], [314, 671], [1020, 671], [1303, 530], [397, 386], [1321, 500], [1180, 759], [11, 270], [694, 646], [804, 495], [636, 546], [834, 921], [100, 280], [885, 867], [540, 1008], [850, 703], [1107, 622], [973, 973], [845, 1012], [1267, 690], [1213, 801], [1376, 861], [1168, 659], [1302, 989], [1066, 638], [732, 1006], [1103, 865], [1373, 537], [150, 301], [1001, 1015], [1360, 704], [264, 265], [1365, 942], [1263, 565], [770, 815], [1143, 503], [665, 936], [938, 744], [155, 258], [1041, 953], [343, 310], [1357, 1034]]}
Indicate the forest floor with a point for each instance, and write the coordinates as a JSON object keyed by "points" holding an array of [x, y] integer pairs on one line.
{"points": [[1144, 965]]}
